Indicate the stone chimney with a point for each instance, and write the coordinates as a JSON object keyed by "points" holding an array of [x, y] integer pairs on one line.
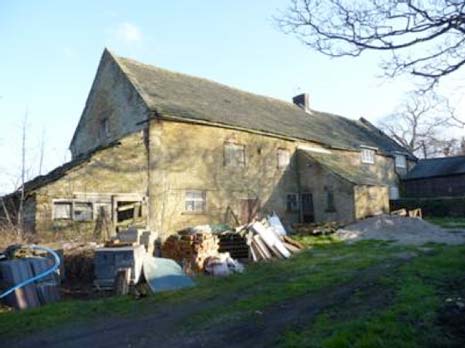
{"points": [[302, 101]]}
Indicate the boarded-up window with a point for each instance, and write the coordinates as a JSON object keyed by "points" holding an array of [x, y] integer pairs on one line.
{"points": [[292, 202], [368, 156], [62, 210], [196, 201], [83, 211], [234, 155], [283, 158]]}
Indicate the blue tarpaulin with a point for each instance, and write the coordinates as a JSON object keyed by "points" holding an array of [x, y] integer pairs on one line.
{"points": [[164, 274]]}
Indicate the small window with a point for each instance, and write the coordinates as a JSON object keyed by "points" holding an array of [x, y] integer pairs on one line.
{"points": [[368, 156], [330, 201], [292, 202], [104, 129], [62, 210], [196, 201], [283, 158], [401, 161], [83, 211], [393, 192], [234, 155]]}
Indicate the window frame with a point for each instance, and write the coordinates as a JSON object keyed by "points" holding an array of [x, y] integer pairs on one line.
{"points": [[398, 156], [62, 202], [329, 201], [279, 164], [227, 160], [367, 155], [202, 199], [297, 202], [92, 213]]}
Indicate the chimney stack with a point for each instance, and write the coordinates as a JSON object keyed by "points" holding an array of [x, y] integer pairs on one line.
{"points": [[302, 101]]}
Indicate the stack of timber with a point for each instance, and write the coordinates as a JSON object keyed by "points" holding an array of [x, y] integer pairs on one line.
{"points": [[235, 244], [191, 249], [266, 242], [316, 229]]}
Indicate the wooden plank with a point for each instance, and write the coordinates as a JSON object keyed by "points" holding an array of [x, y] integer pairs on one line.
{"points": [[271, 239], [292, 248], [263, 248], [295, 243]]}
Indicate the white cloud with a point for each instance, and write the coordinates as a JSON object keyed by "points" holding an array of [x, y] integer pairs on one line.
{"points": [[128, 32]]}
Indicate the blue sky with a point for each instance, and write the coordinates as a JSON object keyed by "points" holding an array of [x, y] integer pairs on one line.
{"points": [[51, 49]]}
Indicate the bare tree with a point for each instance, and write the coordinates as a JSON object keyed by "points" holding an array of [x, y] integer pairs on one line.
{"points": [[425, 38], [419, 124], [20, 215]]}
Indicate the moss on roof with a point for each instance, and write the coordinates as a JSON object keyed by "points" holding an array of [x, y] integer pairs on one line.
{"points": [[187, 97]]}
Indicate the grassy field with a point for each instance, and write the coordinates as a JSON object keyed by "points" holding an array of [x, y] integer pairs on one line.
{"points": [[368, 294]]}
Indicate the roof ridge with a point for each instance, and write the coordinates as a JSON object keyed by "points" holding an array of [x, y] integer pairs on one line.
{"points": [[441, 158], [236, 89]]}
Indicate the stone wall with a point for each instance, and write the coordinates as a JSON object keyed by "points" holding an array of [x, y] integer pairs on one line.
{"points": [[114, 99], [191, 157], [370, 200], [121, 169]]}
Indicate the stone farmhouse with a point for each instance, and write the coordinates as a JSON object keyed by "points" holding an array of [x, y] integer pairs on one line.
{"points": [[163, 150]]}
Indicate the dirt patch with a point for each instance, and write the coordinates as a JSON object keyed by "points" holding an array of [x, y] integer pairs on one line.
{"points": [[403, 230]]}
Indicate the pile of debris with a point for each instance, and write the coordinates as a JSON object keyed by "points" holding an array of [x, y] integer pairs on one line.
{"points": [[191, 248], [313, 229], [267, 239]]}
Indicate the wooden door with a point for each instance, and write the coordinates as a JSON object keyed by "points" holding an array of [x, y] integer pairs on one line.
{"points": [[308, 214]]}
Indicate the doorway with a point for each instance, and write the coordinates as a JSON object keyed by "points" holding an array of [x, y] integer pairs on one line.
{"points": [[308, 214]]}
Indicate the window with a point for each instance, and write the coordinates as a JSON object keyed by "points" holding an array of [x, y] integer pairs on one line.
{"points": [[283, 158], [104, 129], [234, 155], [368, 156], [292, 202], [330, 201], [83, 211], [62, 210], [393, 192], [196, 201], [401, 161]]}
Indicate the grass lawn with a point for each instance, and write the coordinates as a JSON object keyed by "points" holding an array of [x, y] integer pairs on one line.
{"points": [[448, 222], [368, 294]]}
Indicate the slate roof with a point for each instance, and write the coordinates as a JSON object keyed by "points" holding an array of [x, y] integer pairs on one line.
{"points": [[339, 165], [174, 95], [443, 166]]}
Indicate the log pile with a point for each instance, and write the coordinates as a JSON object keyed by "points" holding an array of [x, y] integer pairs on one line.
{"points": [[191, 249]]}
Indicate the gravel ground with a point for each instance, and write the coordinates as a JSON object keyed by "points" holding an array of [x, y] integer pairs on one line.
{"points": [[403, 230]]}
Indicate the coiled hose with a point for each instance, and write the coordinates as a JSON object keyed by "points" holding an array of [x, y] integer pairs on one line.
{"points": [[38, 276]]}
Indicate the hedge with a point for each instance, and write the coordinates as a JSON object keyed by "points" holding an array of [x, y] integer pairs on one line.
{"points": [[440, 207]]}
